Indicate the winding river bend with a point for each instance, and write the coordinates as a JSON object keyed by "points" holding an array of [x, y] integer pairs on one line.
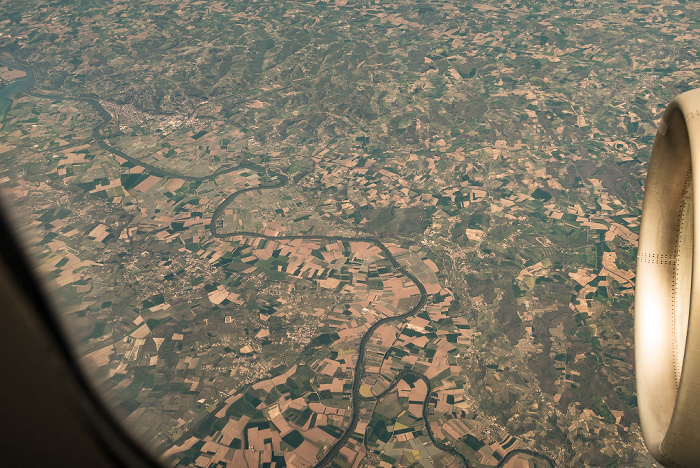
{"points": [[25, 84], [21, 85]]}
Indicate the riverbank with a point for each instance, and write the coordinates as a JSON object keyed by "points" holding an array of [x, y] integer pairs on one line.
{"points": [[20, 85]]}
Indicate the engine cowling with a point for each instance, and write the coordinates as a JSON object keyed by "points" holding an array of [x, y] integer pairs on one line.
{"points": [[667, 296]]}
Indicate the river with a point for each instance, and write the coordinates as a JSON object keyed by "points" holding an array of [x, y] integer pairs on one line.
{"points": [[19, 86], [23, 85]]}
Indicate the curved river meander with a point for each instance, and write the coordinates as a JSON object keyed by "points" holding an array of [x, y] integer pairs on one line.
{"points": [[18, 86], [25, 84]]}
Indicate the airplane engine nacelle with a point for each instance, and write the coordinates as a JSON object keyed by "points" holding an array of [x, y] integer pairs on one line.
{"points": [[667, 296]]}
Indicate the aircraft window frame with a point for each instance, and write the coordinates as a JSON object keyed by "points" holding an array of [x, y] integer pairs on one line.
{"points": [[107, 435]]}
